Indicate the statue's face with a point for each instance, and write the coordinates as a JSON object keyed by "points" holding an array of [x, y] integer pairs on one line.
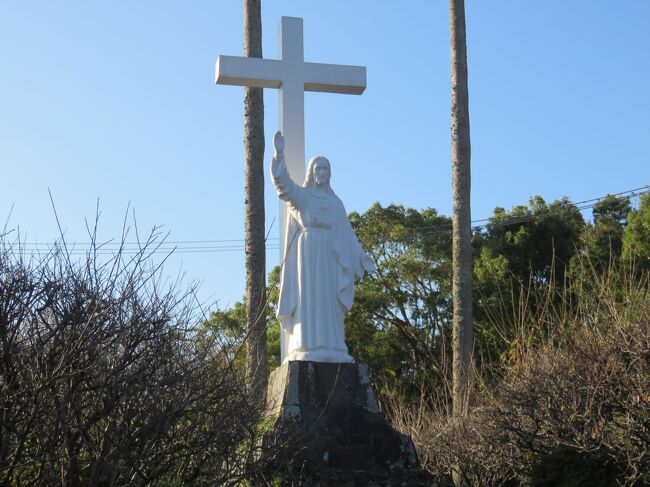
{"points": [[322, 172]]}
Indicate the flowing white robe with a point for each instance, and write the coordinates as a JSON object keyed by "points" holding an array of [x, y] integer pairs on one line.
{"points": [[322, 260]]}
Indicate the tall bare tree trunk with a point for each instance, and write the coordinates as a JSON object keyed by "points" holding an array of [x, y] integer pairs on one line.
{"points": [[257, 368], [462, 227]]}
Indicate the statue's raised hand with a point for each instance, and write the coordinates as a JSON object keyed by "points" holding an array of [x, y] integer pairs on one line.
{"points": [[278, 143]]}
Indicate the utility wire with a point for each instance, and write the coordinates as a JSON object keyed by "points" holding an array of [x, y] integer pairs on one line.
{"points": [[446, 228], [237, 245]]}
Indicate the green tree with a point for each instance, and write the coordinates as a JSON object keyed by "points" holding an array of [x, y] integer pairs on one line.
{"points": [[603, 240], [525, 249], [529, 242], [400, 323], [636, 238], [227, 329]]}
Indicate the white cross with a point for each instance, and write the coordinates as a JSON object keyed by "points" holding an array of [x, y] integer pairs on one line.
{"points": [[292, 76]]}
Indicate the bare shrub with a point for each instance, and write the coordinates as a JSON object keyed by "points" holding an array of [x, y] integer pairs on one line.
{"points": [[102, 381]]}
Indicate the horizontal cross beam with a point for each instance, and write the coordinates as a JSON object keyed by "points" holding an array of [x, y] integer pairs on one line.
{"points": [[270, 73]]}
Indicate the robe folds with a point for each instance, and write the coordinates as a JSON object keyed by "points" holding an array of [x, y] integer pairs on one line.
{"points": [[322, 259]]}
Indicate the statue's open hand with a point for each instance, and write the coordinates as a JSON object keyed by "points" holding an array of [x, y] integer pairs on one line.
{"points": [[278, 142]]}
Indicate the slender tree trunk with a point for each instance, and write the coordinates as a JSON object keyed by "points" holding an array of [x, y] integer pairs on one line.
{"points": [[256, 362], [462, 227]]}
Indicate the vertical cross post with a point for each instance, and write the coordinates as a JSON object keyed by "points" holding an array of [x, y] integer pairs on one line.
{"points": [[291, 97], [291, 109]]}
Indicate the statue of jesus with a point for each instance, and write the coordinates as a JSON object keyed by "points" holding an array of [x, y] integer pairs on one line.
{"points": [[322, 259]]}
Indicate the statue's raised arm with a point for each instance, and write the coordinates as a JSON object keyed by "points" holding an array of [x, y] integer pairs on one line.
{"points": [[286, 188], [278, 143]]}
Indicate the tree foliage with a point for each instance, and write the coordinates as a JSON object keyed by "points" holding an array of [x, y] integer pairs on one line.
{"points": [[636, 238], [402, 311], [602, 240], [229, 326], [529, 242], [528, 247]]}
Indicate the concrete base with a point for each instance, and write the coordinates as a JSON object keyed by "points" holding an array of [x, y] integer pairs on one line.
{"points": [[327, 416]]}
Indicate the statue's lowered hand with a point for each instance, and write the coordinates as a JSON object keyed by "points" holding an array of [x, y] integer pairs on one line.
{"points": [[278, 142], [367, 262]]}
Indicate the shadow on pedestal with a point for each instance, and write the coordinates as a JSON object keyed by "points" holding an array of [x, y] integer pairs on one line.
{"points": [[327, 419]]}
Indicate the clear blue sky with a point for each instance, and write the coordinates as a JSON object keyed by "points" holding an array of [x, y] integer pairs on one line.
{"points": [[115, 101]]}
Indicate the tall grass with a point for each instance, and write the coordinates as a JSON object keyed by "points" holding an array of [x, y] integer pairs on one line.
{"points": [[567, 403]]}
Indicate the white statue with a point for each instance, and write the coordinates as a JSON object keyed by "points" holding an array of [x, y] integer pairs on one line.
{"points": [[322, 260]]}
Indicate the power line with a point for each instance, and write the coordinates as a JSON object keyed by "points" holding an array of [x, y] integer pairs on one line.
{"points": [[236, 245], [145, 251], [446, 228], [630, 192], [170, 242]]}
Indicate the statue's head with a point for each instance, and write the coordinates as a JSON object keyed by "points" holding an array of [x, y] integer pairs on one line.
{"points": [[318, 173]]}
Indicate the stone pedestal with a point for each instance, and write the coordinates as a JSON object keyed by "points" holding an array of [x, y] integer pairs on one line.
{"points": [[327, 417]]}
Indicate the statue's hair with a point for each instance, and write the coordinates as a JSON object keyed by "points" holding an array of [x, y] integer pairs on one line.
{"points": [[309, 180]]}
